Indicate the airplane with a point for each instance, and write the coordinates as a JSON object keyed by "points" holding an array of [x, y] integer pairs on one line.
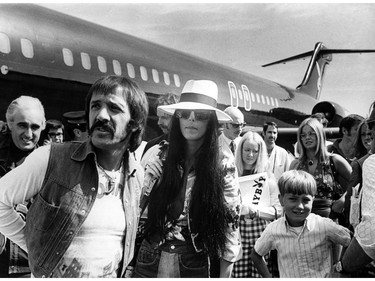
{"points": [[56, 57]]}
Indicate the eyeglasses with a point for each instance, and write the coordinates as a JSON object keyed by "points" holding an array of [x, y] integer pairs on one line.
{"points": [[241, 125], [310, 135], [54, 135], [198, 115]]}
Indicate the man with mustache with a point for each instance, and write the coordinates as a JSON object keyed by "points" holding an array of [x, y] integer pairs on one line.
{"points": [[83, 219], [25, 121], [278, 158]]}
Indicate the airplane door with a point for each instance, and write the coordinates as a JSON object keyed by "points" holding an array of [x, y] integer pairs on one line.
{"points": [[246, 98], [233, 94], [47, 50]]}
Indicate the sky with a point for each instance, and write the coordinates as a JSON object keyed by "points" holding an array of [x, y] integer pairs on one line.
{"points": [[247, 35]]}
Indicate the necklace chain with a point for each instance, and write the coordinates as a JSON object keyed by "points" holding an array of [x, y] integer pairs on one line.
{"points": [[111, 180]]}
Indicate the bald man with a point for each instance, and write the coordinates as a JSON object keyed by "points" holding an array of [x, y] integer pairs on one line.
{"points": [[230, 136]]}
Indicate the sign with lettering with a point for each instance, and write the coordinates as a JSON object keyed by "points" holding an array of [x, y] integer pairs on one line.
{"points": [[254, 189]]}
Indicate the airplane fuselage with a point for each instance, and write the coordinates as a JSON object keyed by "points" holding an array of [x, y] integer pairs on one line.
{"points": [[56, 58]]}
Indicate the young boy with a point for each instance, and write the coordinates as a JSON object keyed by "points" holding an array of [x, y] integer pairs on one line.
{"points": [[303, 240]]}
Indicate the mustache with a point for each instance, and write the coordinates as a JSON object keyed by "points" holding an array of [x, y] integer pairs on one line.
{"points": [[106, 126]]}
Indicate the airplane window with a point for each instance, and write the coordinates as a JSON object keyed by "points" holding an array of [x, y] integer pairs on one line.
{"points": [[4, 43], [272, 102], [263, 101], [117, 67], [27, 48], [131, 71], [68, 57], [177, 80], [268, 100], [258, 98], [102, 64], [167, 80], [86, 62], [155, 76], [252, 97], [143, 73], [277, 102]]}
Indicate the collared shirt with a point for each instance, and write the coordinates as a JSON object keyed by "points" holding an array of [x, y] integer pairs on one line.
{"points": [[307, 253], [365, 231], [224, 144], [279, 161]]}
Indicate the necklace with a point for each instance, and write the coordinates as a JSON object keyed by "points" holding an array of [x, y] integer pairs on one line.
{"points": [[111, 179], [310, 162]]}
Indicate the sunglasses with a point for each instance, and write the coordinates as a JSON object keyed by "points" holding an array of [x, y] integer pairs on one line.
{"points": [[198, 115], [241, 125]]}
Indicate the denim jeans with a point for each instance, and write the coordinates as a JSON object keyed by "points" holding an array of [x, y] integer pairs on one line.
{"points": [[170, 260]]}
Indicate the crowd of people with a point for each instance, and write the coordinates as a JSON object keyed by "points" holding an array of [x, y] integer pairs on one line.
{"points": [[205, 199]]}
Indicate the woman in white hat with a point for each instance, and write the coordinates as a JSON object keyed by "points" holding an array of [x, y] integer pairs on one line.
{"points": [[193, 211]]}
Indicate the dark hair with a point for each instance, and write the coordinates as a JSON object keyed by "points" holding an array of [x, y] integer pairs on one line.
{"points": [[321, 118], [207, 211], [51, 124], [297, 182], [167, 98], [349, 121], [360, 149], [135, 98], [265, 126]]}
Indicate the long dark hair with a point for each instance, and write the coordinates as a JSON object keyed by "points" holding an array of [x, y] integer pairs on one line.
{"points": [[207, 211]]}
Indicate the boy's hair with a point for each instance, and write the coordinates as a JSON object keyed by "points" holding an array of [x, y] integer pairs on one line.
{"points": [[297, 182]]}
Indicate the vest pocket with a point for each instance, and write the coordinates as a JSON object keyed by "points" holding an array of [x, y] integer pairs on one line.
{"points": [[42, 222]]}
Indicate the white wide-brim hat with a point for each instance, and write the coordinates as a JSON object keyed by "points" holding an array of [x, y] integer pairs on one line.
{"points": [[198, 95]]}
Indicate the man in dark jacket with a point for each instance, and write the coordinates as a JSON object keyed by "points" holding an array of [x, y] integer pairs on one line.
{"points": [[83, 220], [25, 121]]}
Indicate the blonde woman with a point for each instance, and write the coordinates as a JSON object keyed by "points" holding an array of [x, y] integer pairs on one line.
{"points": [[251, 158], [331, 171]]}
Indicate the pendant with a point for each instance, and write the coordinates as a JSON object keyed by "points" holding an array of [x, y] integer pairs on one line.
{"points": [[111, 186]]}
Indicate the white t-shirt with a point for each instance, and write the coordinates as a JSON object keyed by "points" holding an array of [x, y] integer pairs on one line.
{"points": [[96, 251]]}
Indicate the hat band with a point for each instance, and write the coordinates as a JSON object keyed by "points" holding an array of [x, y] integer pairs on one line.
{"points": [[194, 97]]}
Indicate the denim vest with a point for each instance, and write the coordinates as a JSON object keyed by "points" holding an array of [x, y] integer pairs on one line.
{"points": [[68, 192]]}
